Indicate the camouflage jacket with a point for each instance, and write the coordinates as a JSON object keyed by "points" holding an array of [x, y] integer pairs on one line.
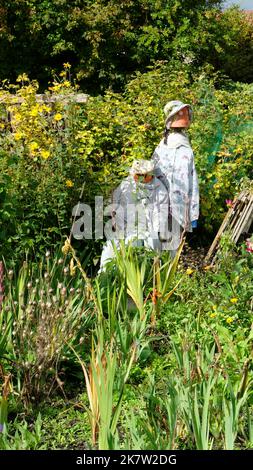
{"points": [[175, 167]]}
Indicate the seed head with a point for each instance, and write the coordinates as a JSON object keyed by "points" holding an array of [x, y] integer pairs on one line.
{"points": [[63, 291], [10, 274]]}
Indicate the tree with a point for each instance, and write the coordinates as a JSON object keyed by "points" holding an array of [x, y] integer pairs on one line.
{"points": [[106, 41]]}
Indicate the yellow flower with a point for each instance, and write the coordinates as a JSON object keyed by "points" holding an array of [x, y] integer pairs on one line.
{"points": [[23, 78], [17, 116], [55, 87], [69, 183], [66, 83], [142, 128], [34, 112], [18, 135], [45, 108], [213, 315], [67, 65], [45, 154], [206, 268], [33, 146], [234, 300], [229, 320], [58, 117], [189, 271]]}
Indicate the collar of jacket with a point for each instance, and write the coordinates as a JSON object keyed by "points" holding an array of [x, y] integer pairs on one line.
{"points": [[178, 139]]}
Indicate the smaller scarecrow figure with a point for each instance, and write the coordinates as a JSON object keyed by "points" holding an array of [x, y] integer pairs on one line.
{"points": [[138, 211]]}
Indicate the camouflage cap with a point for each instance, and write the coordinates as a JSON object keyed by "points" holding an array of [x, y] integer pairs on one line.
{"points": [[142, 167], [173, 107]]}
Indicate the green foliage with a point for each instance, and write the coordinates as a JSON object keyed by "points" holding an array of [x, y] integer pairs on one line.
{"points": [[170, 351], [53, 151], [45, 308], [107, 41], [119, 339], [221, 133], [232, 61], [181, 380], [24, 438], [198, 404]]}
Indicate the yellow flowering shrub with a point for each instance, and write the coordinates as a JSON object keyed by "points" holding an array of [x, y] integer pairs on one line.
{"points": [[50, 148], [37, 165]]}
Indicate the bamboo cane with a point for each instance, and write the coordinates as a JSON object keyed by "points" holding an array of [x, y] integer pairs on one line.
{"points": [[238, 219]]}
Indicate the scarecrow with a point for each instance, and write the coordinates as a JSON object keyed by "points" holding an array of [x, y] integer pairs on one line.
{"points": [[138, 212], [175, 167]]}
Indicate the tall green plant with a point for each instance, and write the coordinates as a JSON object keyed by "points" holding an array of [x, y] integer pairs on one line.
{"points": [[103, 379], [200, 406], [232, 407]]}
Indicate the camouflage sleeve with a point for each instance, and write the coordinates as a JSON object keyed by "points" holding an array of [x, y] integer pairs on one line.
{"points": [[164, 234], [193, 191], [116, 198], [158, 172]]}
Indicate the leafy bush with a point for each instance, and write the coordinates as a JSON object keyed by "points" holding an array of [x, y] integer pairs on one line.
{"points": [[108, 41], [52, 151]]}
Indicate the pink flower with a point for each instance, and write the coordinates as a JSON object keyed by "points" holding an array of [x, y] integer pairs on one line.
{"points": [[229, 203], [249, 246]]}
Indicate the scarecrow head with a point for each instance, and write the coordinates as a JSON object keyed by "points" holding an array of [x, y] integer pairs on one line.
{"points": [[142, 171], [178, 115]]}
